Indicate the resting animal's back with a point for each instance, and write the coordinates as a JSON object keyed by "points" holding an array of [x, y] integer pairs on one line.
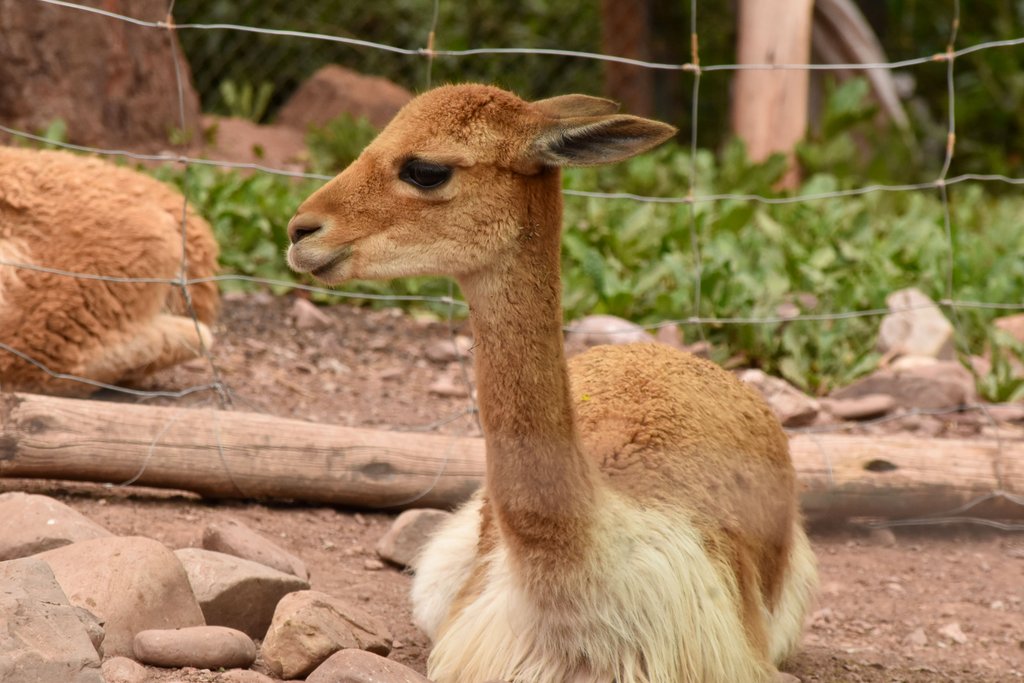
{"points": [[667, 427], [84, 215]]}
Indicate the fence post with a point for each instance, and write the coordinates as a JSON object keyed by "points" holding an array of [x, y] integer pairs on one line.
{"points": [[769, 108]]}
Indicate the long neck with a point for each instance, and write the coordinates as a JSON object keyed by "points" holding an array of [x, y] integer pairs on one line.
{"points": [[541, 486]]}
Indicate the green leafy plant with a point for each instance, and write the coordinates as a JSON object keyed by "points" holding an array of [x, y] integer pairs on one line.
{"points": [[246, 100], [336, 145]]}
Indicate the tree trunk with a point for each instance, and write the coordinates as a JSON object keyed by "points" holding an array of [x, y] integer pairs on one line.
{"points": [[626, 32], [769, 110], [245, 455], [112, 83]]}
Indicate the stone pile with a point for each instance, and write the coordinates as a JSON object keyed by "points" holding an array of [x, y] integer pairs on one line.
{"points": [[81, 605]]}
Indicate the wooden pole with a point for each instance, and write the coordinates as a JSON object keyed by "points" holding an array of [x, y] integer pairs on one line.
{"points": [[222, 454], [769, 108]]}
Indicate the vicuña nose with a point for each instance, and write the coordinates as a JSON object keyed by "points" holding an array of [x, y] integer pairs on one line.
{"points": [[302, 226]]}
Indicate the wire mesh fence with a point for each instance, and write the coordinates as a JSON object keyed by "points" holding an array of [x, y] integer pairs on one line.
{"points": [[300, 38]]}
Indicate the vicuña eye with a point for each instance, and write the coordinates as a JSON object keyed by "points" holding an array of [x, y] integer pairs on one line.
{"points": [[424, 175]]}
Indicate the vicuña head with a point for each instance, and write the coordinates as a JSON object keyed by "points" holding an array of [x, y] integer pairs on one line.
{"points": [[638, 521]]}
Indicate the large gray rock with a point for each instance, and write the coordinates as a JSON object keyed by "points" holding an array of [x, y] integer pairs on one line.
{"points": [[234, 538], [793, 407], [30, 524], [124, 670], [310, 626], [41, 635], [916, 327], [131, 583], [234, 592], [916, 382], [359, 666], [408, 533], [201, 647], [606, 329]]}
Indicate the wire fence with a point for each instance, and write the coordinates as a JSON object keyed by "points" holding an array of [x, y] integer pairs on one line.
{"points": [[218, 391]]}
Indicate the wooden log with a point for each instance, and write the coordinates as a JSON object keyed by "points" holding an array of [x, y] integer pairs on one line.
{"points": [[769, 107], [222, 454]]}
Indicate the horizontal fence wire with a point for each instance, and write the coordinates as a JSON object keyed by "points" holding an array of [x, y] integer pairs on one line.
{"points": [[696, 67]]}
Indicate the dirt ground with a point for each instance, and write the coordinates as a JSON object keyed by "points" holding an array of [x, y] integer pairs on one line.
{"points": [[931, 604]]}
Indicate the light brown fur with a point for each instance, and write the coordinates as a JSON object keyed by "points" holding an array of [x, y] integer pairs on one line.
{"points": [[83, 215], [638, 522]]}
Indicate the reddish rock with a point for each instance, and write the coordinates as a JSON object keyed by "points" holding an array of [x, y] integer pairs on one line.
{"points": [[234, 538], [30, 524], [408, 533], [131, 583], [359, 666], [202, 647], [310, 626], [335, 90]]}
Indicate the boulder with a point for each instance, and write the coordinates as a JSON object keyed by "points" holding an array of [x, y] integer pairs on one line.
{"points": [[408, 533], [201, 647], [359, 666], [605, 329], [131, 583], [30, 524], [241, 141], [335, 90], [310, 626], [916, 382], [1012, 325], [916, 327], [860, 408], [793, 407], [41, 635], [234, 538], [124, 670], [234, 592]]}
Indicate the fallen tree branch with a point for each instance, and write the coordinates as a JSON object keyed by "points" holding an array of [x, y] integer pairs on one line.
{"points": [[222, 454]]}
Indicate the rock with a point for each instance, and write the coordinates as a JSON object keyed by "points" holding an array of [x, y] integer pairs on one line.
{"points": [[124, 670], [792, 406], [202, 647], [448, 350], [234, 538], [236, 593], [953, 632], [41, 635], [605, 329], [310, 626], [860, 408], [359, 666], [30, 524], [1006, 412], [448, 387], [93, 628], [410, 530], [915, 382], [372, 565], [916, 327], [239, 140], [883, 537], [335, 90], [307, 316], [670, 335], [131, 583], [916, 637], [783, 677]]}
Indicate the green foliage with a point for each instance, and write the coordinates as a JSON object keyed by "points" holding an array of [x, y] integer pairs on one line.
{"points": [[721, 259], [338, 144], [245, 100]]}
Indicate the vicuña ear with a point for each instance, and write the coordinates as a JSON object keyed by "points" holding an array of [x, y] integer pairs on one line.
{"points": [[569, 106], [591, 140]]}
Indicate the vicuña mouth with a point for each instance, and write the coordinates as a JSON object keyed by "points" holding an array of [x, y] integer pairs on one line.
{"points": [[339, 258]]}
